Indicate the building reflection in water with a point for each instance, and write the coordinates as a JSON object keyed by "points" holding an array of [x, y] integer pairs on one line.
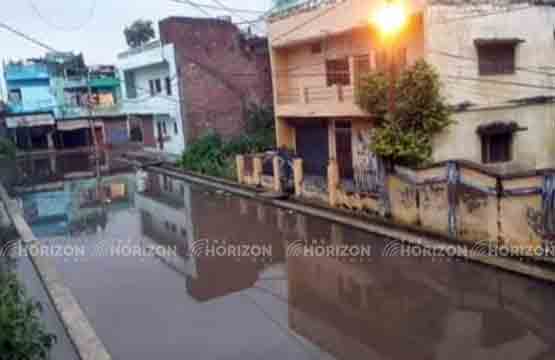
{"points": [[353, 308], [62, 194]]}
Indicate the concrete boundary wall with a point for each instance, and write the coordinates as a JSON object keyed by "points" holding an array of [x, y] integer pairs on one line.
{"points": [[457, 199], [80, 331]]}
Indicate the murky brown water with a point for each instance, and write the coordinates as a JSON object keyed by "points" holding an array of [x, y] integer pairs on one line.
{"points": [[201, 302]]}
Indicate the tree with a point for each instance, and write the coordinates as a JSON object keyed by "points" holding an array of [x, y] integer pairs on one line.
{"points": [[405, 135], [139, 33]]}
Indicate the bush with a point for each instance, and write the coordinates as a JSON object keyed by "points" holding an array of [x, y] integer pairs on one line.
{"points": [[22, 334], [7, 148], [405, 135], [211, 155]]}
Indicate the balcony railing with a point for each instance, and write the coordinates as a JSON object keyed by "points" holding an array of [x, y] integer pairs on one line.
{"points": [[316, 95]]}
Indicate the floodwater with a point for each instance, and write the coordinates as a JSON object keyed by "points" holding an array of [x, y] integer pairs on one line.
{"points": [[167, 270]]}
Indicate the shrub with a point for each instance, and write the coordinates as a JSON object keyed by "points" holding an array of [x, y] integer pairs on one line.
{"points": [[22, 334], [211, 155], [405, 135]]}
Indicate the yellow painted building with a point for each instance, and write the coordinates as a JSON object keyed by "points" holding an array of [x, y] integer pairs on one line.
{"points": [[494, 70]]}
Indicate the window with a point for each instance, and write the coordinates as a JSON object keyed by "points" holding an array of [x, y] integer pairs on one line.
{"points": [[337, 72], [496, 57], [158, 84], [168, 86], [497, 148], [15, 96], [135, 130], [155, 86], [131, 89]]}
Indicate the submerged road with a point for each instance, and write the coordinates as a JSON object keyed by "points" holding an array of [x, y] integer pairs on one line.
{"points": [[166, 269]]}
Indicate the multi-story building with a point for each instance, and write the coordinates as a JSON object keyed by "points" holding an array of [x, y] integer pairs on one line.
{"points": [[220, 71], [497, 72], [58, 102], [151, 89]]}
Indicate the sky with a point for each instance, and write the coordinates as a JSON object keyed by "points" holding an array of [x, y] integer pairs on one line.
{"points": [[94, 27]]}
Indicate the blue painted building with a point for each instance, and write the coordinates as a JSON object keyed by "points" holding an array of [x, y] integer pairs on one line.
{"points": [[52, 100], [28, 86]]}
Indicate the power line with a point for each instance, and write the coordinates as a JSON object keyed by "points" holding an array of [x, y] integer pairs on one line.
{"points": [[89, 17], [27, 37], [195, 5], [303, 24], [470, 17], [219, 7]]}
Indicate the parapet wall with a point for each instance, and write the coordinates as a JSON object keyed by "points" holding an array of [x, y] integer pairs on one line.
{"points": [[457, 199]]}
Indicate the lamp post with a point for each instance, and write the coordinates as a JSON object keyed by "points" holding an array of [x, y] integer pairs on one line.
{"points": [[390, 20]]}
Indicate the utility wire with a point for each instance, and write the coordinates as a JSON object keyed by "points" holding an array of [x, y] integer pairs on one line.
{"points": [[27, 37], [87, 20], [470, 17], [220, 6]]}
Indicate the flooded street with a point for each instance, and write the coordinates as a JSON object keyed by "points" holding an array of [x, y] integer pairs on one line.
{"points": [[165, 269]]}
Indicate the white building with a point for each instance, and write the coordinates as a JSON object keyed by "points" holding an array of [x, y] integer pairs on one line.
{"points": [[151, 86]]}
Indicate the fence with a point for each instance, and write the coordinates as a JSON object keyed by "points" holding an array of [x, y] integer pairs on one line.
{"points": [[458, 199]]}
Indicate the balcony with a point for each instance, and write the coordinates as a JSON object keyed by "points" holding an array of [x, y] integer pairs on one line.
{"points": [[321, 101]]}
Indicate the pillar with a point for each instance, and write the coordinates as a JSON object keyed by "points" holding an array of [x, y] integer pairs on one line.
{"points": [[240, 160], [277, 174], [333, 182], [257, 170], [298, 175]]}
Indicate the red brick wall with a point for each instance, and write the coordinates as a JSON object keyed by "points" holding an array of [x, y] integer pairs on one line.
{"points": [[221, 72]]}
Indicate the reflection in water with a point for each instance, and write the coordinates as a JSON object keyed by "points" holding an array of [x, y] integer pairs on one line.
{"points": [[298, 307]]}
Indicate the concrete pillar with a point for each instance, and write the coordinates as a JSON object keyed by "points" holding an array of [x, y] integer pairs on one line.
{"points": [[240, 161], [277, 174], [285, 134], [298, 175], [333, 182], [332, 140], [257, 170]]}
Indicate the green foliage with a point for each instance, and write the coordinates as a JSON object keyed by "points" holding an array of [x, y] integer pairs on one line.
{"points": [[139, 33], [211, 155], [22, 335], [405, 135], [7, 148]]}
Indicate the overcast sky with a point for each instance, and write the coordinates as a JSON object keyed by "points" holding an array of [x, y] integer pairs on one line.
{"points": [[70, 25]]}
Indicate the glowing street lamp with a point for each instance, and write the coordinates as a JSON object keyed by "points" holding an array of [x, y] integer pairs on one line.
{"points": [[391, 18]]}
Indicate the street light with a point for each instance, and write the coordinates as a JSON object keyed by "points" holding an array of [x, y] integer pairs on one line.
{"points": [[390, 20]]}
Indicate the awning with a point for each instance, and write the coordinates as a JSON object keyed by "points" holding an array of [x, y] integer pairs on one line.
{"points": [[70, 125], [498, 128], [498, 41], [29, 120]]}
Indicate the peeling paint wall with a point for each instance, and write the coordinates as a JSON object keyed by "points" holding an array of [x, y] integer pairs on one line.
{"points": [[404, 201]]}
